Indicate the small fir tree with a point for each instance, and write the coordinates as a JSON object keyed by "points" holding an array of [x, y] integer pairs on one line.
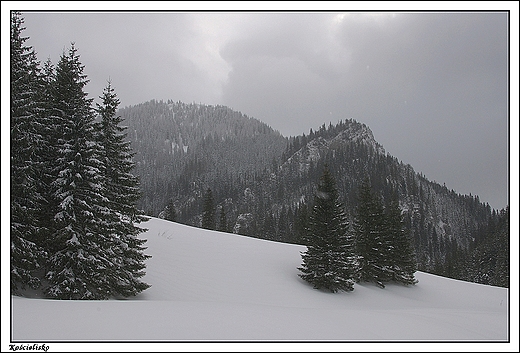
{"points": [[208, 213], [329, 262]]}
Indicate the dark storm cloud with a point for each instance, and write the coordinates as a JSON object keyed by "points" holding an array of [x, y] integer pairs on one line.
{"points": [[431, 86], [285, 68]]}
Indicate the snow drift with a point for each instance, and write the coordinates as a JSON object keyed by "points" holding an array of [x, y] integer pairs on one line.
{"points": [[211, 286]]}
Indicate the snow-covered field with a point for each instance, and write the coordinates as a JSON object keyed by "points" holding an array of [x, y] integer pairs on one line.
{"points": [[211, 286]]}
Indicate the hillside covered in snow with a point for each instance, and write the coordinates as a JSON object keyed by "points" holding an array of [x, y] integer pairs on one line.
{"points": [[211, 286]]}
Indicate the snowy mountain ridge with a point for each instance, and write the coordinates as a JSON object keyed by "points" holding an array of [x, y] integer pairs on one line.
{"points": [[317, 148], [358, 132]]}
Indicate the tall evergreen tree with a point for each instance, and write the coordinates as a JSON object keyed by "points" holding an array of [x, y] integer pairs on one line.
{"points": [[122, 192], [27, 146], [330, 261], [372, 241], [402, 255], [208, 213], [81, 246]]}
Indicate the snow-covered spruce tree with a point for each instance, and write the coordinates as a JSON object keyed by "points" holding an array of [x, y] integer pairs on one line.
{"points": [[82, 253], [208, 212], [330, 261], [372, 241], [27, 144], [121, 189], [403, 263]]}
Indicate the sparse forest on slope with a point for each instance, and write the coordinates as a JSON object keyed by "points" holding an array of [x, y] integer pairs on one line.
{"points": [[263, 183]]}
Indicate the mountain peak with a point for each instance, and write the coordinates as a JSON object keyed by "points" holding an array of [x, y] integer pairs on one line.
{"points": [[334, 137], [357, 132]]}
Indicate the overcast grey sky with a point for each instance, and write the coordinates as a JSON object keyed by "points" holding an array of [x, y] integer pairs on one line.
{"points": [[433, 87]]}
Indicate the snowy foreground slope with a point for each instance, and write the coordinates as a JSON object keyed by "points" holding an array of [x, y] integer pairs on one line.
{"points": [[216, 286]]}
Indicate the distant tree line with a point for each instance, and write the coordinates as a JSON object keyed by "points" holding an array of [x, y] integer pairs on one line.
{"points": [[487, 259], [74, 232]]}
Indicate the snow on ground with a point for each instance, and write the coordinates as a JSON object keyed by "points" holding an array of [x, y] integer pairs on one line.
{"points": [[211, 286]]}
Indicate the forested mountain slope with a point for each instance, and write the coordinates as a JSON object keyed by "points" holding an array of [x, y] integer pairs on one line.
{"points": [[179, 147]]}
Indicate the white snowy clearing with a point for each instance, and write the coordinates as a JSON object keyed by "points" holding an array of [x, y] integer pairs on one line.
{"points": [[211, 286]]}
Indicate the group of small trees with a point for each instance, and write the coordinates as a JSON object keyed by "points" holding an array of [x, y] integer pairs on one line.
{"points": [[73, 197], [375, 249]]}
